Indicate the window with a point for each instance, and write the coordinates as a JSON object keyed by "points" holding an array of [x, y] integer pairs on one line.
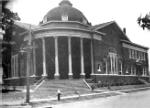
{"points": [[138, 53], [132, 51], [135, 52], [131, 70], [144, 57], [127, 70], [120, 67], [145, 71], [84, 21], [99, 68], [64, 18], [113, 63], [141, 56], [134, 70], [45, 20], [130, 55], [12, 67]]}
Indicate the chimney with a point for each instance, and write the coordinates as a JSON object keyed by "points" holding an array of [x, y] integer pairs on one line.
{"points": [[124, 30]]}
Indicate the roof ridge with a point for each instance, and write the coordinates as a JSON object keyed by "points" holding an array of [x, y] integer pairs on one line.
{"points": [[25, 25], [135, 44], [102, 25]]}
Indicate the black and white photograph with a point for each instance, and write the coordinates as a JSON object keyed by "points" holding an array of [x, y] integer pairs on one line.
{"points": [[74, 54]]}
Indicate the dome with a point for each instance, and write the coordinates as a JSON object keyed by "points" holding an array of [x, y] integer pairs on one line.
{"points": [[65, 12]]}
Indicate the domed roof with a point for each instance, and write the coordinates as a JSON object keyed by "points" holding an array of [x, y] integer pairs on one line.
{"points": [[65, 12]]}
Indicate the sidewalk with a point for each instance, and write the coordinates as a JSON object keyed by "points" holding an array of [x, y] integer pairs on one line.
{"points": [[18, 98]]}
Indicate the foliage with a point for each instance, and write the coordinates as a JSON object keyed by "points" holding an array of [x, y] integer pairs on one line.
{"points": [[144, 22], [8, 18]]}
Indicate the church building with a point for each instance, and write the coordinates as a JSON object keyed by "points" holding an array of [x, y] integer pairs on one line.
{"points": [[66, 45]]}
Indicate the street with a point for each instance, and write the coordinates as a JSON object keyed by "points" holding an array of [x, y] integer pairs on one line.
{"points": [[128, 100]]}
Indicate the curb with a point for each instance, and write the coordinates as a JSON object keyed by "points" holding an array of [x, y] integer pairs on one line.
{"points": [[91, 94], [100, 93]]}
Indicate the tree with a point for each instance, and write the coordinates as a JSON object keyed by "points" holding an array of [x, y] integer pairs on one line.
{"points": [[144, 22], [8, 18]]}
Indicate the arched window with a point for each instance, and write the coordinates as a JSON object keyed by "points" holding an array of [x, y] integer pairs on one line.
{"points": [[113, 65]]}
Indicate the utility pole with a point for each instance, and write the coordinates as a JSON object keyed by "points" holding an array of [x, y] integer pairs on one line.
{"points": [[29, 47]]}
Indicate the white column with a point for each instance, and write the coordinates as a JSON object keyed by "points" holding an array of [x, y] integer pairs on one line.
{"points": [[111, 63], [116, 64], [56, 57], [136, 71], [44, 58], [82, 57], [106, 67], [92, 59], [17, 72], [121, 68], [70, 56], [12, 67], [146, 71], [34, 60], [143, 71], [131, 70]]}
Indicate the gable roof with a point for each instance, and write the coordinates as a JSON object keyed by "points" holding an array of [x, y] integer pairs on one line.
{"points": [[99, 26], [134, 44], [103, 25], [25, 25]]}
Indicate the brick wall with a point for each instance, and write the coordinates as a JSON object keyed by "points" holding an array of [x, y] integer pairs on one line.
{"points": [[109, 41]]}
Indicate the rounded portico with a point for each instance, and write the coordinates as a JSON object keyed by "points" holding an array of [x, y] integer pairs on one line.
{"points": [[64, 44]]}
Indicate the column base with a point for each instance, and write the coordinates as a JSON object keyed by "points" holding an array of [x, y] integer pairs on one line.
{"points": [[82, 76], [92, 74], [44, 75], [70, 76], [33, 75], [56, 77]]}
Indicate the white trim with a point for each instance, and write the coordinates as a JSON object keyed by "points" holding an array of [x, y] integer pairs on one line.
{"points": [[66, 33], [63, 33], [12, 78], [54, 21], [133, 47], [97, 37], [118, 75]]}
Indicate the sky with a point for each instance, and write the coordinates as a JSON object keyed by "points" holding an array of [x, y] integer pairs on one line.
{"points": [[124, 12]]}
